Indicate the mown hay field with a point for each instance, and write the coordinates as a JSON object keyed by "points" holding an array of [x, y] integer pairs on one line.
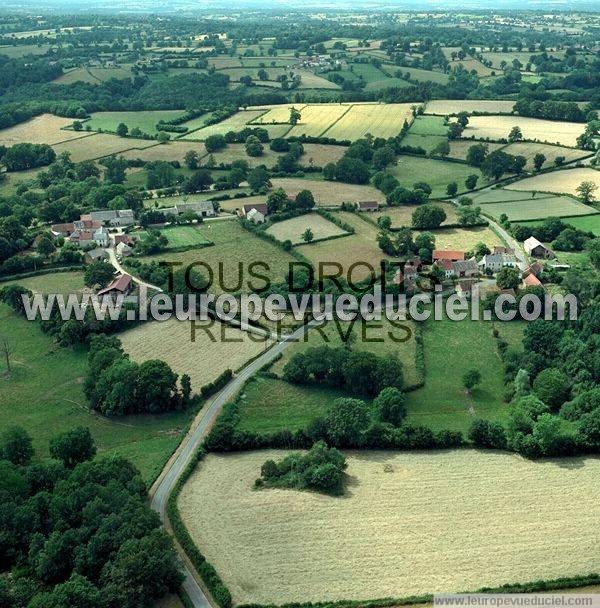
{"points": [[464, 239], [360, 247], [43, 129], [294, 228], [565, 181], [329, 194], [454, 106], [44, 395], [234, 123], [216, 347], [53, 282], [530, 149], [460, 147], [317, 119], [170, 151], [145, 121], [380, 120], [402, 215], [437, 173], [97, 145], [234, 246], [180, 236], [477, 515], [498, 127], [538, 208]]}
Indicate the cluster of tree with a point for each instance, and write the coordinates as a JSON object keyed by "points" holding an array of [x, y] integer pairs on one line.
{"points": [[401, 243], [278, 201], [153, 241], [21, 157], [116, 386], [561, 235], [77, 532], [495, 164], [359, 372], [321, 469], [550, 109]]}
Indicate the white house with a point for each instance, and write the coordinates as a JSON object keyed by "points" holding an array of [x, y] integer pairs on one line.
{"points": [[255, 216]]}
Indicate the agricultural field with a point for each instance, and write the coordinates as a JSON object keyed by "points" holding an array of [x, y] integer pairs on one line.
{"points": [[53, 282], [180, 236], [360, 247], [43, 129], [537, 207], [464, 239], [426, 132], [329, 194], [97, 145], [402, 513], [523, 56], [170, 151], [214, 348], [380, 120], [145, 121], [233, 246], [12, 181], [472, 64], [498, 127], [402, 215], [442, 402], [294, 228], [460, 147], [589, 223], [309, 80], [422, 75], [94, 75], [22, 50], [44, 395], [234, 123], [530, 149], [437, 173], [565, 181], [454, 106], [316, 119]]}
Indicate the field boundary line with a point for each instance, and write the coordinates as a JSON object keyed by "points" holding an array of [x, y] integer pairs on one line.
{"points": [[322, 134]]}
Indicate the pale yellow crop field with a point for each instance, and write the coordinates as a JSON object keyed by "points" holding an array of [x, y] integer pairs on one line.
{"points": [[279, 113], [98, 145], [464, 239], [329, 193], [480, 518], [454, 106], [530, 149], [294, 228], [380, 120], [565, 181], [498, 127], [43, 129], [317, 118], [234, 123], [216, 348]]}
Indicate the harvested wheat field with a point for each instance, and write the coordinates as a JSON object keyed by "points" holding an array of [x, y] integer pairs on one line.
{"points": [[498, 127], [464, 239], [316, 119], [454, 106], [530, 149], [328, 194], [171, 151], [402, 215], [482, 518], [98, 145], [460, 147], [380, 120], [294, 228], [43, 129], [216, 348], [558, 181]]}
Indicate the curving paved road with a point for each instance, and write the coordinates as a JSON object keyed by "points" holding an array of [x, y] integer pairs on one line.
{"points": [[162, 488]]}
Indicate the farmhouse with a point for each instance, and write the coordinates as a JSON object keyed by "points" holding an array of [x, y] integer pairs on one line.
{"points": [[123, 250], [451, 256], [85, 238], [124, 238], [535, 249], [446, 267], [108, 217], [95, 255], [465, 268], [262, 207], [255, 216], [200, 208], [121, 286], [531, 280], [369, 206], [504, 250], [66, 230], [494, 262]]}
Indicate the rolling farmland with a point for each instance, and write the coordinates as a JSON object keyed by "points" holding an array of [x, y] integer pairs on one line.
{"points": [[294, 228], [43, 129], [145, 121], [380, 120], [401, 512], [558, 181], [451, 106], [328, 194]]}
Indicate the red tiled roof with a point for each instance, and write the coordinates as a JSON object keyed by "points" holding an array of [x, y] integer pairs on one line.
{"points": [[440, 254], [531, 281], [121, 284]]}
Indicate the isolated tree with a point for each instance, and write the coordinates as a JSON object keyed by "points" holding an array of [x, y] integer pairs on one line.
{"points": [[538, 160], [122, 129], [508, 278], [16, 446], [384, 222], [6, 349], [515, 134], [305, 199], [213, 143], [471, 379], [346, 420], [307, 235], [442, 149], [258, 178], [295, 116], [428, 217], [390, 406], [477, 154], [452, 189], [471, 181], [463, 119], [253, 146], [73, 447], [191, 159], [455, 130], [586, 191]]}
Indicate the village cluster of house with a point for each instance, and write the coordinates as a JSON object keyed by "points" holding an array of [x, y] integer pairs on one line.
{"points": [[92, 228]]}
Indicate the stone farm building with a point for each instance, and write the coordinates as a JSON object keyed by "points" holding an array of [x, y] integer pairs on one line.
{"points": [[536, 249]]}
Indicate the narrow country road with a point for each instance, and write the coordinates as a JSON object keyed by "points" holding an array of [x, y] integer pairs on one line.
{"points": [[112, 256], [162, 488]]}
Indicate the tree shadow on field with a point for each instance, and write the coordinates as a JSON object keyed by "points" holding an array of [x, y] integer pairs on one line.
{"points": [[350, 482], [576, 462]]}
